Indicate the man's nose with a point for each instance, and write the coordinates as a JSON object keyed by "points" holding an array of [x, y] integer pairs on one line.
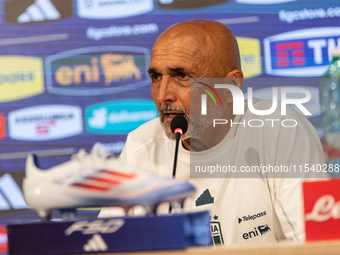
{"points": [[167, 91]]}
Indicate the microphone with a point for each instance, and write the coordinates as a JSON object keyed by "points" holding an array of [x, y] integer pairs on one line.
{"points": [[178, 125]]}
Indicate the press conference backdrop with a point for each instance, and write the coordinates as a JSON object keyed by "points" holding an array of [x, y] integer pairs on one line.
{"points": [[74, 72]]}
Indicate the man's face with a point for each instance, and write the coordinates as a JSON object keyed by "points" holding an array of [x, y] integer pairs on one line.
{"points": [[173, 62]]}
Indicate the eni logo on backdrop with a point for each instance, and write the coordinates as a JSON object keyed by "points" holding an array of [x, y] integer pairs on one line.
{"points": [[116, 67], [97, 70], [20, 77]]}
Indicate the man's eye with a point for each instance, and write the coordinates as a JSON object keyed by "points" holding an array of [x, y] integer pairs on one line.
{"points": [[183, 76], [156, 77]]}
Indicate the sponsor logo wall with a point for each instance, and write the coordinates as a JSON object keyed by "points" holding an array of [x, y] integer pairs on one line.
{"points": [[74, 72]]}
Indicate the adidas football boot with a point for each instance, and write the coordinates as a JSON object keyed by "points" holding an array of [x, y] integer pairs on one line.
{"points": [[97, 180]]}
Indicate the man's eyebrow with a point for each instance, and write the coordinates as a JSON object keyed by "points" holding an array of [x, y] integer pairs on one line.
{"points": [[176, 70], [171, 70], [151, 70]]}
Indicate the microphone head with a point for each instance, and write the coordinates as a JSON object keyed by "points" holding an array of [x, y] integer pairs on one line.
{"points": [[179, 122]]}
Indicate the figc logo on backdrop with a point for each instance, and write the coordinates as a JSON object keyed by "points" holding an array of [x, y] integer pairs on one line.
{"points": [[119, 117], [301, 53]]}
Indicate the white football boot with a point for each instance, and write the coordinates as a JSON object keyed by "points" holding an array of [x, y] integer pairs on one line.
{"points": [[95, 180]]}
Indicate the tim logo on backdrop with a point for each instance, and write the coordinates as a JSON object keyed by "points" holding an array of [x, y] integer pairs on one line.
{"points": [[301, 53], [97, 70], [239, 99]]}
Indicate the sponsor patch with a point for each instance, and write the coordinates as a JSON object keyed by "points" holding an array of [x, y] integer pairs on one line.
{"points": [[97, 70], [20, 77], [259, 231], [250, 56], [251, 217], [119, 117], [45, 122], [301, 53]]}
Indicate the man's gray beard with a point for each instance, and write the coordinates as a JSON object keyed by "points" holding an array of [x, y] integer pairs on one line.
{"points": [[172, 136], [167, 130], [195, 128], [197, 125]]}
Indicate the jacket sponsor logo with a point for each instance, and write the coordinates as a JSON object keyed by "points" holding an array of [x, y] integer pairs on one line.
{"points": [[312, 106], [263, 1], [119, 117], [301, 53], [252, 217], [111, 9], [45, 122], [184, 4], [26, 11], [20, 77], [2, 126], [97, 70], [250, 56], [260, 230]]}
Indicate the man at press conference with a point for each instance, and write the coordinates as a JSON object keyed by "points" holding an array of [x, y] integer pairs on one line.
{"points": [[244, 211]]}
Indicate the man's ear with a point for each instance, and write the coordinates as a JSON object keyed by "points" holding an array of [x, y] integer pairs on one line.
{"points": [[236, 78], [236, 73]]}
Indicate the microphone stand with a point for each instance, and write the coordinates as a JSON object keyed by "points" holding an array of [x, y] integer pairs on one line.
{"points": [[178, 136]]}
